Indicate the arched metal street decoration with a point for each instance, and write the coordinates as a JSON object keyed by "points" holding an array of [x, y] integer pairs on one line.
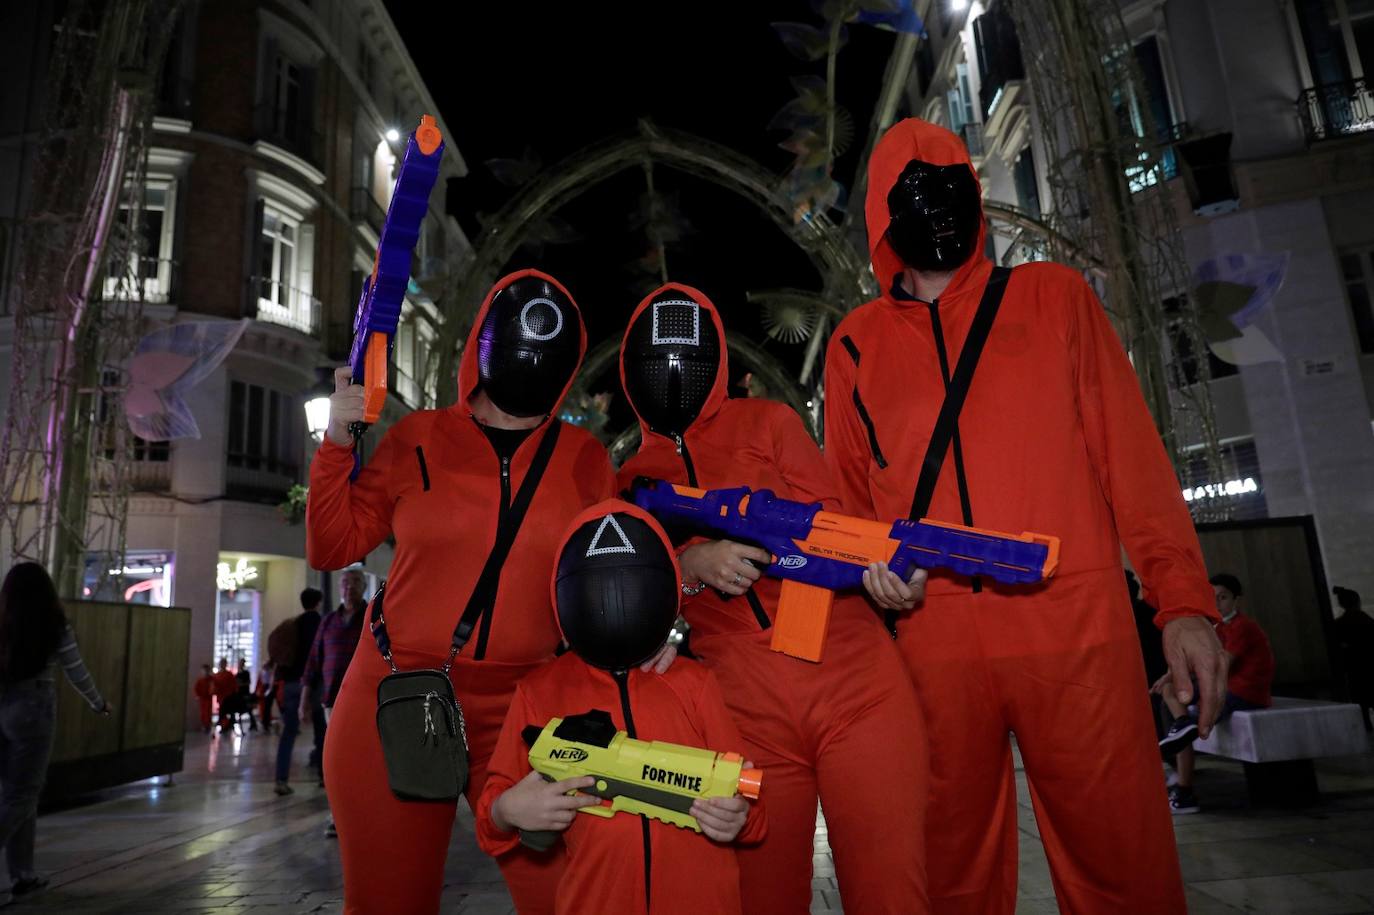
{"points": [[844, 270]]}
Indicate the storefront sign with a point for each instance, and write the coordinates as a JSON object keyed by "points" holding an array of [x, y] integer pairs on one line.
{"points": [[231, 579], [1214, 490]]}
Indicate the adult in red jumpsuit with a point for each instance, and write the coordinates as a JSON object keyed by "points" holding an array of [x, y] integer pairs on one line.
{"points": [[847, 730], [1054, 437], [224, 685], [624, 864], [441, 481]]}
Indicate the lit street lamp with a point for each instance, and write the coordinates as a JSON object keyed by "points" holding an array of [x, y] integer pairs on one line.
{"points": [[317, 408]]}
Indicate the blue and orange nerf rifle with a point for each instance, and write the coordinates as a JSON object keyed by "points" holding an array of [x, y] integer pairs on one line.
{"points": [[816, 552], [379, 308]]}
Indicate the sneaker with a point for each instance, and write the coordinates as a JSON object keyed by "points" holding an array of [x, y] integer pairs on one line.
{"points": [[330, 832], [1181, 735], [28, 885], [1182, 800], [283, 789]]}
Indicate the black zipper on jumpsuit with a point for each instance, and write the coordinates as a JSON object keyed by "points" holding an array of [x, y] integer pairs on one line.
{"points": [[502, 509], [622, 680], [937, 329], [760, 615]]}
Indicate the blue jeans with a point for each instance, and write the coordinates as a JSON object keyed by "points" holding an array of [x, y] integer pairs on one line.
{"points": [[290, 726], [28, 716], [290, 694]]}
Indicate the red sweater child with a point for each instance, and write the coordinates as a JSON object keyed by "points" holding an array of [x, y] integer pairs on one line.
{"points": [[624, 863], [1252, 660]]}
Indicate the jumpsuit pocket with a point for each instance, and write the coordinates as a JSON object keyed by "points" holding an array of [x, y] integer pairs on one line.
{"points": [[852, 349], [867, 420], [424, 468]]}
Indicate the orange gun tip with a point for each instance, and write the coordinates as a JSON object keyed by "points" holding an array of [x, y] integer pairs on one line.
{"points": [[750, 783], [427, 135]]}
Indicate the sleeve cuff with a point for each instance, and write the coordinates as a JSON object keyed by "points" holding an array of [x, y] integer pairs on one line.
{"points": [[333, 452], [1168, 616]]}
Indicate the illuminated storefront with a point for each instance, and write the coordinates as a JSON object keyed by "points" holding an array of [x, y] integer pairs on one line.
{"points": [[239, 583]]}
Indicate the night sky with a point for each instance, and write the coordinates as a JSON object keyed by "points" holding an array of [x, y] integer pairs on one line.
{"points": [[554, 79]]}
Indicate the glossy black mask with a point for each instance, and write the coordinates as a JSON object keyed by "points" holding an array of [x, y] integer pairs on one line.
{"points": [[936, 212], [615, 591], [527, 347], [672, 354]]}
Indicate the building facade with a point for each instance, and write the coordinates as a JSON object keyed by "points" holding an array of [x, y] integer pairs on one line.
{"points": [[279, 125], [1270, 129]]}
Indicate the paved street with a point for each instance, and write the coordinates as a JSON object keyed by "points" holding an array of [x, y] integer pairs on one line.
{"points": [[220, 841]]}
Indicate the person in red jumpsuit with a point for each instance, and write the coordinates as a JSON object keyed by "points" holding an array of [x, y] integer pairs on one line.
{"points": [[1054, 437], [616, 593], [224, 685], [442, 482], [818, 730], [205, 694]]}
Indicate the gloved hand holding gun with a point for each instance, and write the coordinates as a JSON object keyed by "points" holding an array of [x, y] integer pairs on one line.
{"points": [[360, 390], [818, 552]]}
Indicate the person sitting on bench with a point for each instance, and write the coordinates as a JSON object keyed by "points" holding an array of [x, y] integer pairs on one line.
{"points": [[1247, 686]]}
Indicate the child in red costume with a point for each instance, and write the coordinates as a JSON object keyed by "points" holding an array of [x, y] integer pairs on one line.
{"points": [[817, 730], [442, 482], [1054, 437], [626, 863], [205, 693]]}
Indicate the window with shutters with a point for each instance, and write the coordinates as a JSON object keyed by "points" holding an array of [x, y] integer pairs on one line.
{"points": [[1357, 269], [284, 279], [286, 104], [148, 272], [265, 441]]}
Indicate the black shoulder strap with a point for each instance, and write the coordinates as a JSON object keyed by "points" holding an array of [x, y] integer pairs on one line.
{"points": [[483, 597], [948, 421]]}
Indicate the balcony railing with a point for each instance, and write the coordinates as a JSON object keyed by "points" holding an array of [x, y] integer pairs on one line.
{"points": [[363, 207], [174, 98], [257, 485], [1336, 110], [295, 135], [147, 279], [276, 303]]}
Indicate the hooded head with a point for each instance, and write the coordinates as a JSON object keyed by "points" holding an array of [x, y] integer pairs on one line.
{"points": [[673, 361], [526, 345], [615, 586], [924, 206]]}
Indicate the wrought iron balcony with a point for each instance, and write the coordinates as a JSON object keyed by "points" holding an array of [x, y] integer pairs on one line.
{"points": [[1336, 110], [290, 131], [276, 303], [145, 279], [363, 207]]}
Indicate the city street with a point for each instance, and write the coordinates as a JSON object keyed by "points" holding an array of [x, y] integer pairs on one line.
{"points": [[219, 841]]}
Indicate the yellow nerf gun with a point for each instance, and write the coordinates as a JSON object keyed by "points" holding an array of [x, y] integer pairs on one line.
{"points": [[649, 778]]}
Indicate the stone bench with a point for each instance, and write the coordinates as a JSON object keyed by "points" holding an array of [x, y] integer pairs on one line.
{"points": [[1277, 745]]}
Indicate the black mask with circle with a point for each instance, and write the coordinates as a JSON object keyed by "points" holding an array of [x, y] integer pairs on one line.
{"points": [[616, 591], [936, 212], [672, 355], [528, 346]]}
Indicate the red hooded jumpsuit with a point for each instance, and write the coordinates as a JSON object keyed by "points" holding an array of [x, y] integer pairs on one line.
{"points": [[615, 865], [1055, 438], [436, 483], [847, 729]]}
